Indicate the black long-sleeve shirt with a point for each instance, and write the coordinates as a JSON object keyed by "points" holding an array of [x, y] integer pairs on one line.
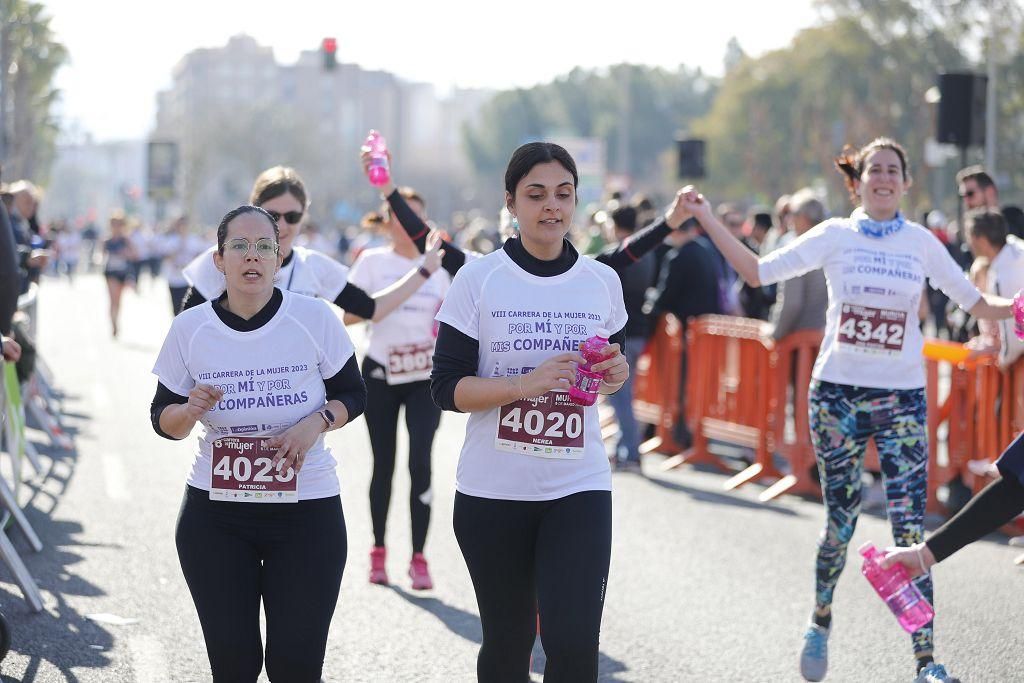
{"points": [[10, 275], [346, 385], [688, 284], [996, 505], [453, 259], [456, 354], [352, 299]]}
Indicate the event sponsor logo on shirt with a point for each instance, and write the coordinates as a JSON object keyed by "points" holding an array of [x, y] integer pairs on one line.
{"points": [[245, 429]]}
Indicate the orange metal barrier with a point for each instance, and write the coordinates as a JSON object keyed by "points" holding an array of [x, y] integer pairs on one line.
{"points": [[727, 397], [791, 378], [741, 387], [656, 384]]}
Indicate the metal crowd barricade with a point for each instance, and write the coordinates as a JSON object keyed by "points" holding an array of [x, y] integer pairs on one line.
{"points": [[13, 432]]}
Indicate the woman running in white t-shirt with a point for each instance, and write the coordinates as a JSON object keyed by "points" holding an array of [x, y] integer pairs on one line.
{"points": [[282, 193], [533, 501], [266, 372], [868, 380], [396, 370]]}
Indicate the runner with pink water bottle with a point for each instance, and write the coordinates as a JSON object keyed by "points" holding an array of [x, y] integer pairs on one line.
{"points": [[868, 380], [533, 488], [396, 370]]}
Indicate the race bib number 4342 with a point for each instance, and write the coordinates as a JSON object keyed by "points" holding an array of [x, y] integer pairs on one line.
{"points": [[871, 330], [242, 472], [549, 426]]}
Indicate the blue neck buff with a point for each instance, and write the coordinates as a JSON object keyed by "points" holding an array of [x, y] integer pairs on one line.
{"points": [[876, 229]]}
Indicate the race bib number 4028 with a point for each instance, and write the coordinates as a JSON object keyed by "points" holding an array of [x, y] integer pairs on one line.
{"points": [[549, 426], [871, 330], [242, 472]]}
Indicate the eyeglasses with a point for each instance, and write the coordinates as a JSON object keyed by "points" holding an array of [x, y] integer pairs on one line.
{"points": [[266, 247], [290, 217], [967, 194]]}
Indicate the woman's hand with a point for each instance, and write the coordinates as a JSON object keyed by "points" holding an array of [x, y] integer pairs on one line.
{"points": [[678, 213], [982, 345], [293, 444], [694, 202], [11, 349], [614, 366], [557, 372], [364, 159], [432, 256], [917, 559], [201, 400]]}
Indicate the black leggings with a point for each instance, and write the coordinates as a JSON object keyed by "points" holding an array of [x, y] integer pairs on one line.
{"points": [[291, 555], [527, 557], [421, 419], [177, 296]]}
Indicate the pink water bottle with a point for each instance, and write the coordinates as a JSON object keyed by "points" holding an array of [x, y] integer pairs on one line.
{"points": [[379, 171], [584, 391], [894, 586], [1018, 314]]}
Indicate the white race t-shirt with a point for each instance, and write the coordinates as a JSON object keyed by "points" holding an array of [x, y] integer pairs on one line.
{"points": [[540, 449], [178, 252], [272, 377], [872, 337], [403, 342], [309, 273]]}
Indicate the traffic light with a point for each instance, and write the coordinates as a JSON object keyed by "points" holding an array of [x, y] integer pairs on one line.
{"points": [[329, 50]]}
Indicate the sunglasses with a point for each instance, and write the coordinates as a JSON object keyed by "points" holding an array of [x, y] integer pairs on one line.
{"points": [[266, 247], [967, 194], [290, 217]]}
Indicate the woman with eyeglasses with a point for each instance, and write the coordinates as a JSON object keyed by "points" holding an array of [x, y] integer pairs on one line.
{"points": [[266, 372], [868, 381], [282, 193]]}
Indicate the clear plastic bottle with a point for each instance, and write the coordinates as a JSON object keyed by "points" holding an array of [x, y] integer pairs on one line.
{"points": [[584, 391], [379, 171], [894, 586]]}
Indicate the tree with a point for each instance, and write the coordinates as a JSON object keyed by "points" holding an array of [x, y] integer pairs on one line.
{"points": [[29, 60], [636, 110], [779, 119]]}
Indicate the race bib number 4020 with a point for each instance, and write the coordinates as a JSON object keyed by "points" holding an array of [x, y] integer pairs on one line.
{"points": [[871, 330], [242, 472], [549, 426]]}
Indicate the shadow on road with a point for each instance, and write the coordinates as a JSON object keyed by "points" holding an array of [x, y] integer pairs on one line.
{"points": [[59, 637], [463, 624], [720, 498], [467, 625]]}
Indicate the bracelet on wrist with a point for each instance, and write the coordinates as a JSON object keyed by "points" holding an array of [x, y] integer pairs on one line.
{"points": [[425, 273], [518, 386]]}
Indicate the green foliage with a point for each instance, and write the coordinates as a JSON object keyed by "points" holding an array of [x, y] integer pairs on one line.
{"points": [[774, 123], [779, 119], [655, 102], [29, 60]]}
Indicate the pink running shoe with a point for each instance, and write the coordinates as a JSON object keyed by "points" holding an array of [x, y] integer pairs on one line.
{"points": [[378, 571], [419, 573]]}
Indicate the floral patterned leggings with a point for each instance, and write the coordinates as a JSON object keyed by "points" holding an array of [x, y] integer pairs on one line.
{"points": [[842, 418]]}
